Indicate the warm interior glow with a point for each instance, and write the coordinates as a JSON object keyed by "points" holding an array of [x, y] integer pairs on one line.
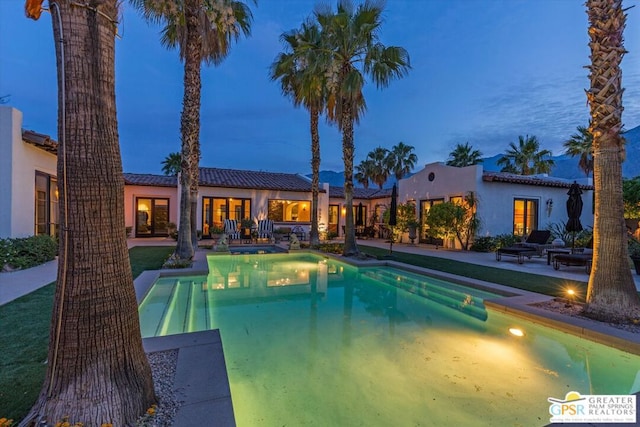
{"points": [[517, 332]]}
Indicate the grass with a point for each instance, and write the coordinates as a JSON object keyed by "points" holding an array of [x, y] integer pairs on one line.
{"points": [[25, 337]]}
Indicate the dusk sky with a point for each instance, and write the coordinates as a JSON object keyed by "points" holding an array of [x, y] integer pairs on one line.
{"points": [[483, 72]]}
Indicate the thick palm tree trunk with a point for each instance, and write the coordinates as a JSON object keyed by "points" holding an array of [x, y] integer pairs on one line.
{"points": [[190, 130], [611, 294], [350, 246], [315, 176], [97, 371]]}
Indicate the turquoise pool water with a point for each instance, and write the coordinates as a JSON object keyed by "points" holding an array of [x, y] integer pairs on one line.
{"points": [[310, 341]]}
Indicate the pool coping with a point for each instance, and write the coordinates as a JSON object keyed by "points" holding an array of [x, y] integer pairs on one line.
{"points": [[201, 371], [201, 382]]}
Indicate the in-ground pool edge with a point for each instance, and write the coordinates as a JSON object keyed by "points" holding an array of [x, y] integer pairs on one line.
{"points": [[201, 381], [591, 330]]}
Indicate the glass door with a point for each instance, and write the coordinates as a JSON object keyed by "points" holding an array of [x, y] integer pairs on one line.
{"points": [[152, 217], [334, 219]]}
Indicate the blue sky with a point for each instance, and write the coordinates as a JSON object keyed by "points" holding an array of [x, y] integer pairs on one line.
{"points": [[483, 72]]}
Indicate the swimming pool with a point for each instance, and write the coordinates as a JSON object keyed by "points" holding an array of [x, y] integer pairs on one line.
{"points": [[315, 341]]}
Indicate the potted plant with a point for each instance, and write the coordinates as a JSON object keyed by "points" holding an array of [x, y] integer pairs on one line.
{"points": [[245, 227], [634, 253], [412, 226], [215, 231]]}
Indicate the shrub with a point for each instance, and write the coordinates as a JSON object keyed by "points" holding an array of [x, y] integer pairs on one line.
{"points": [[331, 248], [27, 252], [506, 240], [484, 244]]}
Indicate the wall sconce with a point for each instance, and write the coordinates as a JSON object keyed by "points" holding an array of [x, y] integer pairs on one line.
{"points": [[344, 211]]}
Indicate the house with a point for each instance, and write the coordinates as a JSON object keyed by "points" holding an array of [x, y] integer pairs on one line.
{"points": [[28, 184], [507, 203]]}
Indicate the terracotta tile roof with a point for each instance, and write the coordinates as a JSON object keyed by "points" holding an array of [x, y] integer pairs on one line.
{"points": [[40, 140], [233, 178], [150, 180], [544, 181], [360, 193]]}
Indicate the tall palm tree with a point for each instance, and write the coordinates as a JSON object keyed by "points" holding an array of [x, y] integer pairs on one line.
{"points": [[203, 31], [402, 159], [171, 164], [352, 50], [526, 158], [464, 155], [380, 166], [363, 172], [611, 293], [580, 144], [97, 370], [304, 83]]}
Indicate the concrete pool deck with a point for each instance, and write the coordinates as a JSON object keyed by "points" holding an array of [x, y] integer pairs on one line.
{"points": [[201, 376]]}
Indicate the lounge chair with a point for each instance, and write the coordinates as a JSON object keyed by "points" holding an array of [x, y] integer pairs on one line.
{"points": [[265, 229], [231, 229], [585, 257], [535, 245], [573, 259]]}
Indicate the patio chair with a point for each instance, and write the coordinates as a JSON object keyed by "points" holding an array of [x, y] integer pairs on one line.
{"points": [[231, 229], [536, 243], [265, 229]]}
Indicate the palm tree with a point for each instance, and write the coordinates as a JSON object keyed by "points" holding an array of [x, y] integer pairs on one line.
{"points": [[526, 158], [203, 31], [363, 172], [304, 84], [97, 370], [351, 50], [611, 293], [464, 155], [171, 164], [580, 144], [380, 166], [402, 160]]}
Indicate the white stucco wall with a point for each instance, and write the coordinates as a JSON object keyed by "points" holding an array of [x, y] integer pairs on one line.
{"points": [[447, 182], [18, 166], [132, 192], [495, 199], [7, 116]]}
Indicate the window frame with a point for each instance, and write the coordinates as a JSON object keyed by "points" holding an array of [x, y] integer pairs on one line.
{"points": [[287, 217]]}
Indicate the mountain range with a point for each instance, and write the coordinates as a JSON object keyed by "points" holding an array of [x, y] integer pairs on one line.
{"points": [[565, 166]]}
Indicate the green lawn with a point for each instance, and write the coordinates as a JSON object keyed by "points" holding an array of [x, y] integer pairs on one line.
{"points": [[25, 337]]}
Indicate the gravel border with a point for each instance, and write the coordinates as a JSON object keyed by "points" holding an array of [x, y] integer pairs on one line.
{"points": [[163, 370], [574, 309]]}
